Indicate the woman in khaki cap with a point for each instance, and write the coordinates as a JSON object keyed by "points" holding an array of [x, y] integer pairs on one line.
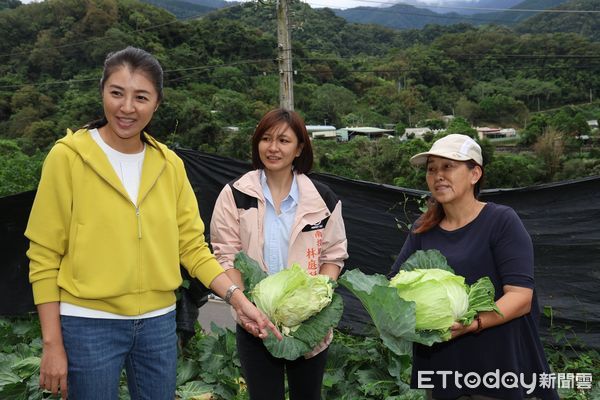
{"points": [[495, 357]]}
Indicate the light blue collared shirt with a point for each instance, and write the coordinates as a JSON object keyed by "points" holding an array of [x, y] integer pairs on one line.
{"points": [[278, 228]]}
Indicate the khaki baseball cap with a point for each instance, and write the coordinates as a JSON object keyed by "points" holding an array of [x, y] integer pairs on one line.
{"points": [[455, 147]]}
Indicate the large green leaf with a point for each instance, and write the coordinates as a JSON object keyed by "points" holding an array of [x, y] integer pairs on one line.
{"points": [[193, 390], [426, 259], [186, 370], [27, 366], [251, 271], [392, 316], [14, 391], [8, 377], [481, 298]]}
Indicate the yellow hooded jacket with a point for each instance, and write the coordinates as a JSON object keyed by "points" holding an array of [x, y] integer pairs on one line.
{"points": [[91, 246]]}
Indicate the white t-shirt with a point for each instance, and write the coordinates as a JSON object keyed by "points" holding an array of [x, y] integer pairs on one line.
{"points": [[127, 166]]}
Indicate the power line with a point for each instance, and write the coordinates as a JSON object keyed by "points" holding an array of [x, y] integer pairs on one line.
{"points": [[474, 56], [194, 70], [200, 68]]}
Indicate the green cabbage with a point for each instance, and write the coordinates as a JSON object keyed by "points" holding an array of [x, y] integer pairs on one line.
{"points": [[292, 296], [421, 302], [440, 296], [304, 307]]}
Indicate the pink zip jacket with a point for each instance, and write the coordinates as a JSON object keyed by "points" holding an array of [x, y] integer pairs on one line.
{"points": [[318, 235]]}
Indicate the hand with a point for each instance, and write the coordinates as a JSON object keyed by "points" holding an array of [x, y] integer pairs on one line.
{"points": [[253, 320], [457, 329], [53, 369]]}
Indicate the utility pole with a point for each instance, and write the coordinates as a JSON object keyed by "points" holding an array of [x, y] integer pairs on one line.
{"points": [[284, 47]]}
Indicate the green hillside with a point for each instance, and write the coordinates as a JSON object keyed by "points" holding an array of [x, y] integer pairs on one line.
{"points": [[399, 16], [402, 16], [512, 17], [221, 71], [585, 24], [181, 9]]}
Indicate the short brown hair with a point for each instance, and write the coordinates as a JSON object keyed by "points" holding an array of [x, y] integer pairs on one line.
{"points": [[303, 163]]}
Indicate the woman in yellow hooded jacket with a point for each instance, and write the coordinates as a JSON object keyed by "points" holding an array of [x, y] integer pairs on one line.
{"points": [[113, 218]]}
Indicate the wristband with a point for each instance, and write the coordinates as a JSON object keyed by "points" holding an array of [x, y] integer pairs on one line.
{"points": [[229, 293], [479, 324]]}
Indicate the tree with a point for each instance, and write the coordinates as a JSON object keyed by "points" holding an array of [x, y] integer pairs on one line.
{"points": [[400, 128], [570, 122], [533, 130], [236, 144], [41, 134], [460, 125], [432, 124], [231, 78], [330, 103], [467, 109], [501, 108], [513, 170], [550, 149], [230, 106], [18, 171]]}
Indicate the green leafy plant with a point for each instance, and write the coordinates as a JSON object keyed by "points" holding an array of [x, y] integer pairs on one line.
{"points": [[358, 367], [567, 354]]}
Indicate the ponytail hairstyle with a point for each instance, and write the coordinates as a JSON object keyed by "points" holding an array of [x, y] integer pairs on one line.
{"points": [[435, 212], [135, 60]]}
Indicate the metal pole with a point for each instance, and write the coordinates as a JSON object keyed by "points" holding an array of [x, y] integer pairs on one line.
{"points": [[284, 45]]}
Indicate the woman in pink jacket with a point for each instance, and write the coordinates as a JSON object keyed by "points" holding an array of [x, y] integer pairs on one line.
{"points": [[279, 216]]}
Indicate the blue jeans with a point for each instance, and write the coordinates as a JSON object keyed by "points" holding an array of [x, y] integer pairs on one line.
{"points": [[98, 349]]}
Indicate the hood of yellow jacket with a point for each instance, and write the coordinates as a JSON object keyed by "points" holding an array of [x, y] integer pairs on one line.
{"points": [[155, 159]]}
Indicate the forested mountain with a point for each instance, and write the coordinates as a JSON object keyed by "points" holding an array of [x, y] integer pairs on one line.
{"points": [[181, 9], [512, 17], [221, 71], [402, 16], [585, 24], [184, 9], [399, 16], [466, 7]]}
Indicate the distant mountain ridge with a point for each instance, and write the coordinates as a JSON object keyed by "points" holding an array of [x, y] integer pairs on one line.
{"points": [[512, 17], [404, 16], [183, 9], [587, 25], [399, 16], [465, 7]]}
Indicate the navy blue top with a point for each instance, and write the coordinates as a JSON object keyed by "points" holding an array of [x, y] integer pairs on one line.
{"points": [[494, 244]]}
